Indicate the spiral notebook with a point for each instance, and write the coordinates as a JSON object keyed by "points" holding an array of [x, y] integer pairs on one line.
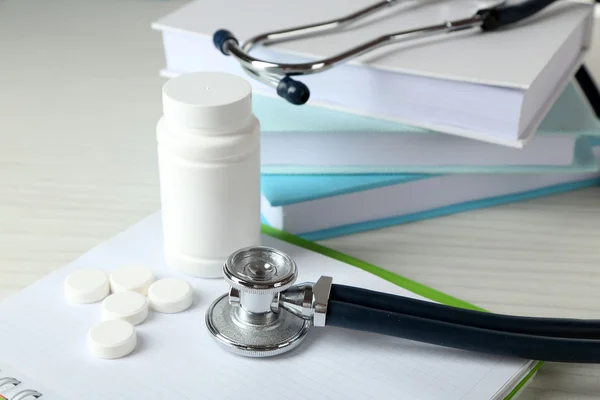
{"points": [[44, 337]]}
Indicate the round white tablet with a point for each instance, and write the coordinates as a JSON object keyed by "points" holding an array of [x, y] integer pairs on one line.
{"points": [[170, 295], [112, 339], [86, 286], [128, 306], [131, 278]]}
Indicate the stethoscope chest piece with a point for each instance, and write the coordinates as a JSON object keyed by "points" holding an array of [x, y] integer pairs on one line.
{"points": [[248, 320], [264, 315]]}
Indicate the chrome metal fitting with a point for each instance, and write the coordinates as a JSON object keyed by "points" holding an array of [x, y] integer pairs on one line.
{"points": [[263, 314]]}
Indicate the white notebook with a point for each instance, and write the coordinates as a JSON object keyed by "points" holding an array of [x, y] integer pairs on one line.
{"points": [[44, 337], [495, 86]]}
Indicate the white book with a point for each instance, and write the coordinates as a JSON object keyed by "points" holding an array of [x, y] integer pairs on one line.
{"points": [[495, 86], [44, 337]]}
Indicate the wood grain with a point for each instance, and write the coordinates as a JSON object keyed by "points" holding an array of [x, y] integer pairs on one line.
{"points": [[80, 98]]}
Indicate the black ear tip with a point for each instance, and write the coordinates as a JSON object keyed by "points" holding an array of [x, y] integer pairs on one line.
{"points": [[221, 37], [293, 91]]}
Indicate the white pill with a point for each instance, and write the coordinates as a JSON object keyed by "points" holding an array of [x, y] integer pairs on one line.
{"points": [[132, 279], [112, 339], [86, 286], [170, 295], [128, 306]]}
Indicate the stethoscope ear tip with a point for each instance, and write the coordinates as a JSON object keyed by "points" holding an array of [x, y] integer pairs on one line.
{"points": [[293, 91], [221, 37]]}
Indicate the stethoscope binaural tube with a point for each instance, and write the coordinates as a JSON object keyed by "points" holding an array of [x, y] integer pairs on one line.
{"points": [[264, 314], [279, 75]]}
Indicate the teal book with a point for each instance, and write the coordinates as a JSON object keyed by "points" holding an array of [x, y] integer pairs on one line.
{"points": [[326, 206]]}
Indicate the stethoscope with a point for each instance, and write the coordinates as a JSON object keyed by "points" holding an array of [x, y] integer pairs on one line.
{"points": [[264, 315], [278, 75]]}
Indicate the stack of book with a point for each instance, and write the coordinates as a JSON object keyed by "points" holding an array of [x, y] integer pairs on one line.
{"points": [[415, 130]]}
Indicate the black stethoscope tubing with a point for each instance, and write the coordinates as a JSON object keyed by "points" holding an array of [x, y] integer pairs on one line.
{"points": [[548, 339]]}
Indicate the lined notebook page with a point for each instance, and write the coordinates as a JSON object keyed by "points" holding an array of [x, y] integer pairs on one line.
{"points": [[44, 336]]}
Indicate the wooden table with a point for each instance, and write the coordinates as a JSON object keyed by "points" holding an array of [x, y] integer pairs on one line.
{"points": [[79, 100]]}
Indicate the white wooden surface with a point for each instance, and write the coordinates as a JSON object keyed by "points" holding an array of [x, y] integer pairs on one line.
{"points": [[79, 99]]}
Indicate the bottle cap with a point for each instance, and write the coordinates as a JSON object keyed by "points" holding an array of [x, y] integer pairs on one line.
{"points": [[208, 100]]}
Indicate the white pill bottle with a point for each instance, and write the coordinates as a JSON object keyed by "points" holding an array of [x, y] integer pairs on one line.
{"points": [[209, 169]]}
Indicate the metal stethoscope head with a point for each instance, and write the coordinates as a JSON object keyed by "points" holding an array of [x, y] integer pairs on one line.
{"points": [[279, 75], [264, 315]]}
